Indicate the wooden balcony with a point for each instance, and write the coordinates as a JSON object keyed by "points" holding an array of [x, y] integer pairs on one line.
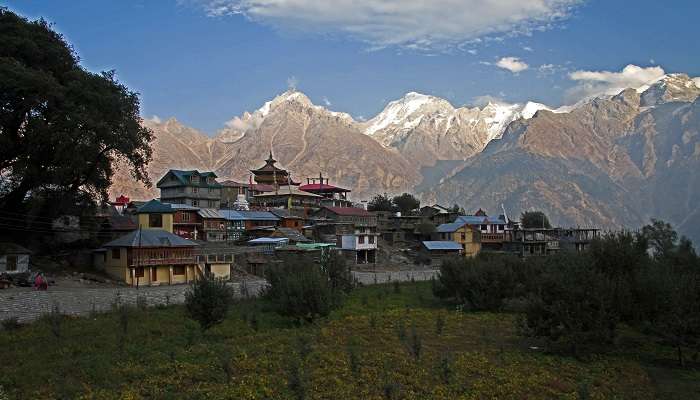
{"points": [[493, 237], [146, 262]]}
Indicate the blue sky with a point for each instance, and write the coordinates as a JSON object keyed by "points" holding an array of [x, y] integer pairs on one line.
{"points": [[207, 61]]}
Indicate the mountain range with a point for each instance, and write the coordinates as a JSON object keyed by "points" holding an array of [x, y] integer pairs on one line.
{"points": [[609, 161]]}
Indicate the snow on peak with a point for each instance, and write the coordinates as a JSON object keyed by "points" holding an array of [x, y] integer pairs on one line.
{"points": [[407, 112]]}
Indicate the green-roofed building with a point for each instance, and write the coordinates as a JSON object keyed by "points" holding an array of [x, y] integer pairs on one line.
{"points": [[155, 215], [194, 188]]}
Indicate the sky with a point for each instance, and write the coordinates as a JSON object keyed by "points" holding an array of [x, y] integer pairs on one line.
{"points": [[206, 61]]}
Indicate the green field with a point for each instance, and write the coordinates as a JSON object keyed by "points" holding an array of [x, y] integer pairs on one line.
{"points": [[381, 344]]}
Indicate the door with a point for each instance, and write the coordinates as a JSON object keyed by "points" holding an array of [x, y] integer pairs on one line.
{"points": [[154, 274]]}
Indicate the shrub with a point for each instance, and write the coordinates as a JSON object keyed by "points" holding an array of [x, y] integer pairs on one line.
{"points": [[207, 301], [300, 290], [11, 324]]}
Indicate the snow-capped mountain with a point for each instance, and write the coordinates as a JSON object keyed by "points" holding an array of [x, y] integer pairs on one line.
{"points": [[428, 128]]}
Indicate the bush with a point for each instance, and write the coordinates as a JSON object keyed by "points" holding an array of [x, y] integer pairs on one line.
{"points": [[11, 324], [573, 305], [207, 301], [303, 291]]}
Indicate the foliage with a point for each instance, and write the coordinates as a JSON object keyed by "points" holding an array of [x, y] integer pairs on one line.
{"points": [[406, 203], [302, 290], [426, 229], [10, 324], [483, 282], [486, 359], [572, 306], [380, 202], [62, 128], [534, 219], [208, 300], [339, 274]]}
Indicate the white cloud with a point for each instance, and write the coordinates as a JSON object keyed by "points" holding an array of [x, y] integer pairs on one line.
{"points": [[415, 24], [481, 101], [512, 64], [472, 52], [327, 102], [527, 48], [596, 83]]}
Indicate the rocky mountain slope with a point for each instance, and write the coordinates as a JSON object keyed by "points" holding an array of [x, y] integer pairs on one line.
{"points": [[610, 162]]}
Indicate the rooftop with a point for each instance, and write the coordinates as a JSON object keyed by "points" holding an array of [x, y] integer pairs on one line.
{"points": [[184, 177], [317, 187], [154, 207], [349, 211], [442, 245], [450, 227], [12, 248], [236, 215], [150, 238]]}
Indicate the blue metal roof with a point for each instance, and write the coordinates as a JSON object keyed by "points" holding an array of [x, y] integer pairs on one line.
{"points": [[235, 215], [450, 227], [472, 220], [442, 245]]}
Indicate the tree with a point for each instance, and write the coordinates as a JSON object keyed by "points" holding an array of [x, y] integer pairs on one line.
{"points": [[534, 219], [62, 128], [301, 290], [406, 203], [380, 202], [208, 300], [661, 237], [457, 209], [426, 229]]}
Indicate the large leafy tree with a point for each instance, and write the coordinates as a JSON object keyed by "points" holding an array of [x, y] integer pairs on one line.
{"points": [[380, 202], [534, 219], [62, 128], [406, 203]]}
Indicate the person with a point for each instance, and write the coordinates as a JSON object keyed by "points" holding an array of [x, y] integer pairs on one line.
{"points": [[40, 282]]}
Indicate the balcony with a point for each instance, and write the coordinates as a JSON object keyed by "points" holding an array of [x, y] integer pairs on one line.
{"points": [[145, 262], [492, 237]]}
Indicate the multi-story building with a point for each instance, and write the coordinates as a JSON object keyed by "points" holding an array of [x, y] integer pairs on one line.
{"points": [[152, 254], [194, 188], [333, 196], [466, 235], [356, 234]]}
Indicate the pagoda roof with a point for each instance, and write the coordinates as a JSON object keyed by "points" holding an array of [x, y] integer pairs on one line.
{"points": [[317, 187]]}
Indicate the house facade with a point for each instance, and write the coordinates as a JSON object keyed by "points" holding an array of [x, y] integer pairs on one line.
{"points": [[14, 259], [194, 188], [466, 235], [357, 237]]}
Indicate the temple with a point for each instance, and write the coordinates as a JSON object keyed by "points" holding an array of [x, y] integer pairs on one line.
{"points": [[333, 196], [269, 174]]}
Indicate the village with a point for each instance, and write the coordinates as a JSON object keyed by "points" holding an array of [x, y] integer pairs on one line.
{"points": [[202, 226]]}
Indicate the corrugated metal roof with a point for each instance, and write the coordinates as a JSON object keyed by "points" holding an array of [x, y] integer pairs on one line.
{"points": [[442, 245], [210, 213], [176, 206], [150, 238], [477, 220], [450, 227], [236, 215], [267, 240]]}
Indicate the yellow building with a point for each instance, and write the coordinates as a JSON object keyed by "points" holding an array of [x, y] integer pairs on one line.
{"points": [[152, 254], [468, 236]]}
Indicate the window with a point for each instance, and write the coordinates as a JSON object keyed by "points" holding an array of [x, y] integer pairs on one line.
{"points": [[464, 236], [484, 227], [371, 240], [500, 227], [116, 254], [361, 239], [139, 272], [195, 179], [12, 263], [185, 217], [195, 189], [195, 203], [155, 220], [179, 270]]}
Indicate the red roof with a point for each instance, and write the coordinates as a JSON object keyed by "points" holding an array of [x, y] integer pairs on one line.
{"points": [[317, 187], [351, 211]]}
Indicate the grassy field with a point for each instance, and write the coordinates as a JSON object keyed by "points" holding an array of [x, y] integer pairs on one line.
{"points": [[381, 344]]}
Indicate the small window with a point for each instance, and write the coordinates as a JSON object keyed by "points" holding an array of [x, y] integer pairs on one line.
{"points": [[484, 227], [361, 239], [155, 220], [464, 236], [179, 270], [116, 254], [185, 217], [195, 203], [11, 263], [371, 240]]}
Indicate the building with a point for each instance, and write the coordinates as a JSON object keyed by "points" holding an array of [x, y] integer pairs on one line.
{"points": [[294, 236], [240, 223], [268, 245], [332, 196], [231, 189], [213, 225], [436, 251], [287, 219], [186, 221], [151, 256], [194, 188], [466, 235], [495, 231], [438, 214], [270, 174], [356, 232], [14, 259], [289, 197], [155, 215]]}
